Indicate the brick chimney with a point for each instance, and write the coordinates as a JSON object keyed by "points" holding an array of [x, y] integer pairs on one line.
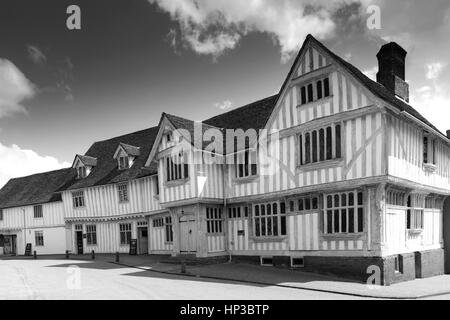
{"points": [[391, 69], [448, 134]]}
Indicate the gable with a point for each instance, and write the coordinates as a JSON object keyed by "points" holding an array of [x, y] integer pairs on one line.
{"points": [[312, 68]]}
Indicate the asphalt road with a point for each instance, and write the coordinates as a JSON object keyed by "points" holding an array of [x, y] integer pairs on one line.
{"points": [[62, 279]]}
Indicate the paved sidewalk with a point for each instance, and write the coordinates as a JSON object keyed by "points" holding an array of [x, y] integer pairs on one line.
{"points": [[270, 276]]}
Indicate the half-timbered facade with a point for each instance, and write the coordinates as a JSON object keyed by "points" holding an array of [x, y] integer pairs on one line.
{"points": [[336, 173]]}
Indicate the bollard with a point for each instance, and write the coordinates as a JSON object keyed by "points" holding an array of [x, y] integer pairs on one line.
{"points": [[67, 254], [183, 267], [34, 254], [93, 255], [117, 256]]}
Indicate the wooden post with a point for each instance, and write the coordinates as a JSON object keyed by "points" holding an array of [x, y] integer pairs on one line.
{"points": [[67, 254], [34, 254], [93, 255], [117, 257]]}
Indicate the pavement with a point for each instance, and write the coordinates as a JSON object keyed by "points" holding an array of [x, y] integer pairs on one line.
{"points": [[249, 275]]}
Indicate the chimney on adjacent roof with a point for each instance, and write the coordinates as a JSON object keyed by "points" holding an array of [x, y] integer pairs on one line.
{"points": [[391, 69], [448, 134]]}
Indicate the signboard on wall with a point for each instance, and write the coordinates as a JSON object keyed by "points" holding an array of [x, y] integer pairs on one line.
{"points": [[133, 247], [28, 249]]}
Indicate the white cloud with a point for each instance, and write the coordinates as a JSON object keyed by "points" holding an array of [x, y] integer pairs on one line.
{"points": [[227, 104], [434, 70], [17, 162], [36, 55], [14, 89], [212, 27]]}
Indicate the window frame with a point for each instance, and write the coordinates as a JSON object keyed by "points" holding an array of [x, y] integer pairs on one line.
{"points": [[38, 211], [39, 238], [124, 162], [214, 221], [78, 200], [176, 169], [261, 218], [123, 192], [314, 90], [91, 234], [415, 213], [313, 148], [344, 209], [81, 172], [246, 162], [126, 233]]}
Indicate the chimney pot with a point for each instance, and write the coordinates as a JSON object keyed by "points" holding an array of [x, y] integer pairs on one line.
{"points": [[391, 69]]}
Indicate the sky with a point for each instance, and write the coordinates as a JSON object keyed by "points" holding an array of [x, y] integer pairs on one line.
{"points": [[61, 90]]}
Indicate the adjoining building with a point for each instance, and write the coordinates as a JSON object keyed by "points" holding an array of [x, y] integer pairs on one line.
{"points": [[353, 181], [31, 211]]}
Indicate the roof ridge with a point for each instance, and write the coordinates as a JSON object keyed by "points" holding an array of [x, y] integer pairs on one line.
{"points": [[126, 134]]}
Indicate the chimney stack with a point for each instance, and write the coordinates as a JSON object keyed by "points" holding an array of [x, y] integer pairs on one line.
{"points": [[391, 70], [448, 134]]}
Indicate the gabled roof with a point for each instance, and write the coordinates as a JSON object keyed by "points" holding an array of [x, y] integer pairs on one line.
{"points": [[35, 189], [85, 160], [253, 115], [128, 149], [374, 87], [107, 171]]}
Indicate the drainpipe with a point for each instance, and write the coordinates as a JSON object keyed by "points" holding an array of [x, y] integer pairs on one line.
{"points": [[24, 228]]}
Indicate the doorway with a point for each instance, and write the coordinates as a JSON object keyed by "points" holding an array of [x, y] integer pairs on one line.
{"points": [[188, 234], [9, 244], [143, 240], [79, 239]]}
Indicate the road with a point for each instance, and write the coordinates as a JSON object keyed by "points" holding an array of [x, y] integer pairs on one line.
{"points": [[79, 280]]}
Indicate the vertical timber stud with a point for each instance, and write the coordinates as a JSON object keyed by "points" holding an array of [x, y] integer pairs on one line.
{"points": [[380, 216]]}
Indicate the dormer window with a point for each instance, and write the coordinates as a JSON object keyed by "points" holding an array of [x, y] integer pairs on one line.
{"points": [[81, 172], [125, 155], [84, 165], [124, 163]]}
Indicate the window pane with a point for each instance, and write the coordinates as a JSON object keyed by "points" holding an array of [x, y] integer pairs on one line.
{"points": [[283, 225], [256, 210], [307, 148], [300, 205], [319, 89], [303, 93], [257, 227], [329, 144], [314, 146], [326, 85], [300, 138], [350, 199], [310, 93], [336, 221], [322, 144], [329, 202], [360, 198], [336, 200], [360, 220], [344, 220], [315, 203], [344, 199], [307, 204], [338, 141], [329, 221], [269, 209], [351, 220]]}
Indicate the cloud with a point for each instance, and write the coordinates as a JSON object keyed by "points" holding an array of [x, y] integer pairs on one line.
{"points": [[227, 104], [213, 27], [434, 70], [16, 162], [14, 89], [36, 55]]}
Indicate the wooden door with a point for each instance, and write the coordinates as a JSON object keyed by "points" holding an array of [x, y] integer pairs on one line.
{"points": [[188, 234]]}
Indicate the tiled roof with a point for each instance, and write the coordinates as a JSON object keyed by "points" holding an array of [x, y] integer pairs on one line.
{"points": [[130, 150], [107, 171], [253, 115], [87, 161], [35, 189]]}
